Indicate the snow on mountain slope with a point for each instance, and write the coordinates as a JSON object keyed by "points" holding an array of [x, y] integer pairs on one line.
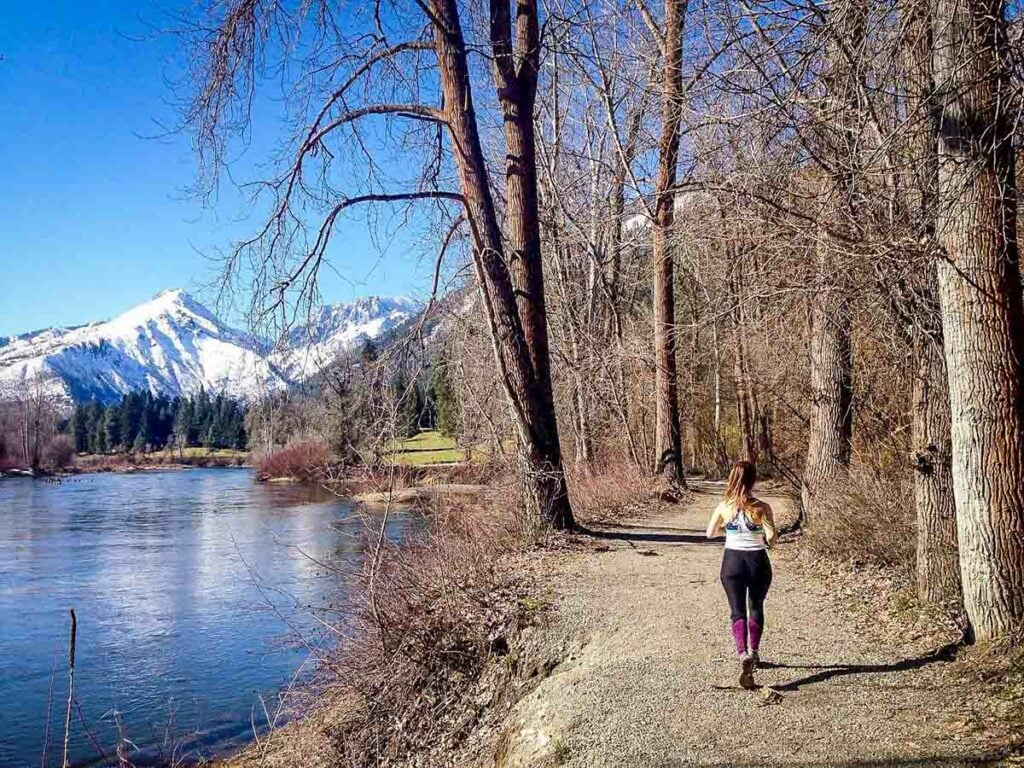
{"points": [[339, 327], [170, 344], [175, 345]]}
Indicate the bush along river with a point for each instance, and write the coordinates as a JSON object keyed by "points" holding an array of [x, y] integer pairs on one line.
{"points": [[191, 589]]}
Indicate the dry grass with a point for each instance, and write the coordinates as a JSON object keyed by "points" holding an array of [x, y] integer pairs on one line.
{"points": [[993, 675], [868, 519], [59, 453], [427, 618], [121, 462], [7, 464], [431, 615], [609, 491]]}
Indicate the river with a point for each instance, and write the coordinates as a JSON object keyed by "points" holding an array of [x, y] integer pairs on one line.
{"points": [[185, 584]]}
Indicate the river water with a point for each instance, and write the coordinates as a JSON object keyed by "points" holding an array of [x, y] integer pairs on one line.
{"points": [[190, 587]]}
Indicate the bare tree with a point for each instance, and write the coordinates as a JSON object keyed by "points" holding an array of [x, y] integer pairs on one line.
{"points": [[937, 564], [32, 410], [982, 316], [377, 78], [667, 436], [831, 372]]}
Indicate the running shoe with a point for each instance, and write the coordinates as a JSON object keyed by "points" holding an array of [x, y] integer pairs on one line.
{"points": [[747, 664]]}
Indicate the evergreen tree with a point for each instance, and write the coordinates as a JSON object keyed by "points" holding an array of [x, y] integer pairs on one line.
{"points": [[94, 427], [80, 428], [183, 423], [444, 403], [369, 353], [144, 421], [112, 428], [408, 404], [130, 408], [142, 436], [100, 440]]}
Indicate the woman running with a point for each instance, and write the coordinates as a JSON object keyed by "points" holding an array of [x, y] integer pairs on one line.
{"points": [[746, 571]]}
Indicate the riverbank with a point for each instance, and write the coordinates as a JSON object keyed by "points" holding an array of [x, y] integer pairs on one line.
{"points": [[614, 651], [84, 464], [169, 459]]}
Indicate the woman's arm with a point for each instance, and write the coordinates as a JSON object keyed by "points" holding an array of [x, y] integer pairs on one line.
{"points": [[771, 534], [715, 523]]}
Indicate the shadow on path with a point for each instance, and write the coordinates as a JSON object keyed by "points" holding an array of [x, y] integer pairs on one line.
{"points": [[636, 533], [935, 761], [943, 654]]}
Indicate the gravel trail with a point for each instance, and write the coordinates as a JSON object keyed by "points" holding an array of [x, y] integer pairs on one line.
{"points": [[651, 679]]}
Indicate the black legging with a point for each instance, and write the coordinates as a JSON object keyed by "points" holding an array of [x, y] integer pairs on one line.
{"points": [[746, 574]]}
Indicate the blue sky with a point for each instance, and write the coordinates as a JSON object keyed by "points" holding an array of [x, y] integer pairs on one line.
{"points": [[93, 213]]}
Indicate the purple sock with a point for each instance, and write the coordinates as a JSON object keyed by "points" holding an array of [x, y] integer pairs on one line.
{"points": [[755, 634], [739, 634]]}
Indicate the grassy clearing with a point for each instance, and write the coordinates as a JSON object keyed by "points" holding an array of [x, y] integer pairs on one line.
{"points": [[426, 448], [430, 440]]}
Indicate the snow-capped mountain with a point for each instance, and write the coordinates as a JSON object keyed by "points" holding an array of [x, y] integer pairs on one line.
{"points": [[339, 327], [175, 345]]}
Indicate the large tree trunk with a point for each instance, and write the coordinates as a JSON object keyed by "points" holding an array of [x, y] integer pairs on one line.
{"points": [[983, 320], [528, 394], [613, 267], [667, 434], [831, 373], [515, 77], [745, 410], [938, 567], [831, 423]]}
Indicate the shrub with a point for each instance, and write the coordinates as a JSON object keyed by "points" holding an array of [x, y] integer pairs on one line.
{"points": [[607, 491], [301, 459], [423, 624], [429, 615], [59, 453], [868, 517]]}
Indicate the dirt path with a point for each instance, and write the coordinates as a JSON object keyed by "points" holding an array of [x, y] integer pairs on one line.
{"points": [[651, 678]]}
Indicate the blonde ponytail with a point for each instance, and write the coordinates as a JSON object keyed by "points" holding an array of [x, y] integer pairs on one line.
{"points": [[738, 490]]}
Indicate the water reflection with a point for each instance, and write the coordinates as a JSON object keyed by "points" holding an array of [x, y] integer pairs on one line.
{"points": [[184, 583]]}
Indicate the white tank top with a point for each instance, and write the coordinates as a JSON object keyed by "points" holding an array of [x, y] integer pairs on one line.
{"points": [[742, 533]]}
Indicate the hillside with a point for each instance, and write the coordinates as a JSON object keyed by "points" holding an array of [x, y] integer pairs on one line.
{"points": [[174, 345]]}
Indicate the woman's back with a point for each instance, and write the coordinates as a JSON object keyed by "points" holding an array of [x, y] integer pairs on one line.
{"points": [[745, 528]]}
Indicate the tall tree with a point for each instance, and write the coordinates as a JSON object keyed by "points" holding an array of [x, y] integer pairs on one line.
{"points": [[398, 76], [112, 428], [982, 314], [831, 351], [516, 68], [746, 410], [443, 396], [916, 303], [938, 568], [80, 428], [667, 438]]}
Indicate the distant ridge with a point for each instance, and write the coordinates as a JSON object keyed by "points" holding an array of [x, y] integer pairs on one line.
{"points": [[338, 327], [174, 345]]}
